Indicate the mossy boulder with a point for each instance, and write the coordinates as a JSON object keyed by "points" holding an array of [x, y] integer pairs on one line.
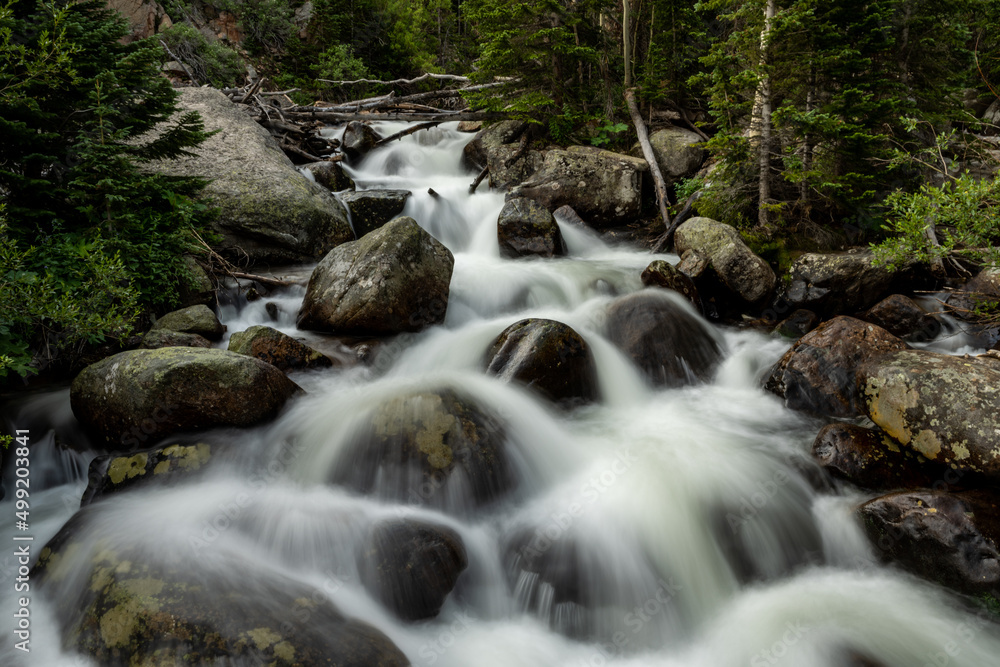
{"points": [[677, 152], [142, 395], [526, 228], [278, 349], [730, 260], [199, 288], [392, 280], [661, 273], [113, 474], [193, 320], [837, 283], [547, 356], [157, 338], [870, 459], [371, 209]]}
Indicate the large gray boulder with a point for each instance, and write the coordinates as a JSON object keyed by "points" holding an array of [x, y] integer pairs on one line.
{"points": [[526, 228], [142, 395], [370, 209], [676, 151], [268, 209], [836, 283], [736, 266], [604, 188], [392, 280]]}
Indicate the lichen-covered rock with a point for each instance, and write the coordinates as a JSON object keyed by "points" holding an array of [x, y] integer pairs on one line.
{"points": [[431, 448], [660, 273], [976, 296], [496, 146], [371, 209], [817, 374], [836, 283], [198, 320], [142, 395], [526, 228], [113, 474], [157, 338], [798, 324], [659, 331], [330, 175], [741, 271], [412, 566], [604, 188], [902, 316], [870, 459], [547, 356], [278, 349], [394, 279], [676, 151], [693, 264], [267, 209], [199, 289], [943, 407]]}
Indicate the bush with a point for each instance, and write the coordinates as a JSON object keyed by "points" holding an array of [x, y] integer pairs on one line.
{"points": [[211, 62]]}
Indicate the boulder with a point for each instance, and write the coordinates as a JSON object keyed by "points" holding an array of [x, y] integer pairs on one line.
{"points": [[431, 448], [817, 374], [496, 146], [902, 316], [157, 338], [358, 140], [947, 538], [371, 209], [113, 474], [547, 356], [836, 283], [198, 320], [470, 126], [137, 395], [278, 349], [660, 273], [662, 335], [526, 228], [330, 175], [604, 188], [742, 272], [267, 209], [869, 458], [676, 151], [199, 289], [979, 294], [145, 18], [412, 566], [940, 406], [394, 279], [798, 324], [693, 264]]}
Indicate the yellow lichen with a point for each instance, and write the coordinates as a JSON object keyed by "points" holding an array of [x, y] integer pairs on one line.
{"points": [[285, 651], [123, 468], [927, 443], [263, 637]]}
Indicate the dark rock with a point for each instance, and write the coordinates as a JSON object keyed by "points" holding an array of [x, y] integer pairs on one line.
{"points": [[663, 274], [358, 140], [495, 146], [568, 215], [194, 320], [141, 394], [157, 338], [693, 264], [200, 289], [330, 175], [742, 272], [817, 374], [277, 349], [869, 459], [394, 279], [113, 474], [550, 357], [974, 302], [836, 283], [371, 209], [272, 309], [412, 566], [902, 316], [671, 345], [526, 228], [798, 324]]}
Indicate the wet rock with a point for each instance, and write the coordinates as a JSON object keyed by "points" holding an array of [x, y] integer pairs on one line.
{"points": [[412, 566], [141, 395], [736, 266], [798, 324], [817, 374], [198, 320], [604, 188], [547, 356], [199, 289], [526, 228], [371, 209], [902, 316], [154, 340], [330, 175], [496, 146], [940, 406], [978, 295], [113, 474], [836, 283], [693, 264], [359, 139], [278, 349], [947, 538], [431, 448], [869, 459], [676, 151], [273, 310], [664, 337], [660, 273], [567, 215], [394, 279]]}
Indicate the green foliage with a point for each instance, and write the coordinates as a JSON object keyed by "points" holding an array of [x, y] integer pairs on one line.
{"points": [[266, 24], [338, 63], [212, 62], [606, 133]]}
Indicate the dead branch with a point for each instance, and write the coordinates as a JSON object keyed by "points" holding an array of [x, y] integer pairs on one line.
{"points": [[187, 68], [408, 131], [264, 280], [647, 152], [422, 77], [415, 117], [479, 179]]}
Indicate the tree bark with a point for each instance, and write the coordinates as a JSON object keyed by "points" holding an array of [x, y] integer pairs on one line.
{"points": [[647, 151], [760, 123]]}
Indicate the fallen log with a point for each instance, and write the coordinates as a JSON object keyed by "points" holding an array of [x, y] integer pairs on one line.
{"points": [[322, 114], [647, 151], [264, 280], [422, 77], [479, 179], [408, 131]]}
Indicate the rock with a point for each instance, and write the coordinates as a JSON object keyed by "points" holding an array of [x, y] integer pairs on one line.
{"points": [[158, 338], [358, 140], [278, 349], [371, 209], [604, 188], [412, 566], [526, 228], [330, 175], [693, 264], [902, 316], [940, 406], [736, 266], [567, 215], [947, 538], [193, 320], [267, 209], [113, 474], [200, 289], [676, 153], [394, 279], [126, 605], [817, 374], [273, 310], [660, 333], [798, 324], [495, 146], [869, 459], [141, 394], [663, 274], [145, 18], [547, 356], [836, 283], [982, 290], [431, 448], [301, 18], [470, 126]]}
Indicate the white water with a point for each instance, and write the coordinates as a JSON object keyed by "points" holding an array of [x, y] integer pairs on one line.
{"points": [[696, 535]]}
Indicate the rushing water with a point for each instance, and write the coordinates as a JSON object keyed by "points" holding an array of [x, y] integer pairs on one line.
{"points": [[692, 521]]}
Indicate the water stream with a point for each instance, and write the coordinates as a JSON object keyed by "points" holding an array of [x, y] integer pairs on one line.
{"points": [[692, 523]]}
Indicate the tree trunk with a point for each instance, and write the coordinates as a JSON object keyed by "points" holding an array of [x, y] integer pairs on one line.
{"points": [[760, 123], [627, 41], [647, 151]]}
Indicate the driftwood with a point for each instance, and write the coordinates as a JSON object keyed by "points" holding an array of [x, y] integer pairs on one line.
{"points": [[407, 82], [479, 179], [408, 131], [647, 151], [442, 116], [263, 280]]}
